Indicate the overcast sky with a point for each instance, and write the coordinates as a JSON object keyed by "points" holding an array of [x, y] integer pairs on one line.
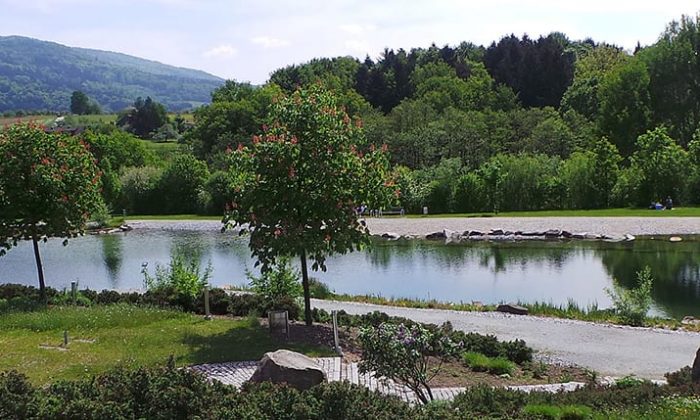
{"points": [[246, 40]]}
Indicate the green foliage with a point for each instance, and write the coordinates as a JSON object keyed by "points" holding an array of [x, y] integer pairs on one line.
{"points": [[281, 281], [662, 164], [181, 183], [569, 412], [297, 186], [49, 185], [80, 104], [144, 118], [319, 290], [184, 277], [405, 354], [632, 305], [140, 190]]}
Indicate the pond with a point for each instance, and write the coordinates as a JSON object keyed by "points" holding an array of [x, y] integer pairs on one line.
{"points": [[489, 272]]}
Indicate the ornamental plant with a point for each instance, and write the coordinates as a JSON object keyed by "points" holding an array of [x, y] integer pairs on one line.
{"points": [[632, 305], [410, 355], [49, 185], [297, 186]]}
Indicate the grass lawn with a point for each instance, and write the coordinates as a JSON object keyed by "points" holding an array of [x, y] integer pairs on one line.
{"points": [[676, 212], [102, 337]]}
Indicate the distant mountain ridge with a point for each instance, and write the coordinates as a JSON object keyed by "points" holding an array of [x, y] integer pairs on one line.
{"points": [[41, 75]]}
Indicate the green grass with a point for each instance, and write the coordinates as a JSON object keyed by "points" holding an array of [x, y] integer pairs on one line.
{"points": [[571, 310], [676, 212], [102, 337], [494, 365]]}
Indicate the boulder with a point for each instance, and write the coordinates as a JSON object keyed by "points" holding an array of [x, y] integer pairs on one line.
{"points": [[496, 232], [689, 320], [512, 308], [579, 235], [629, 237], [294, 369], [451, 234], [475, 233], [532, 233], [566, 234], [436, 235], [390, 236], [695, 372], [552, 233]]}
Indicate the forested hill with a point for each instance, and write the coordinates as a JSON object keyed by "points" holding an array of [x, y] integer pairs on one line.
{"points": [[41, 75]]}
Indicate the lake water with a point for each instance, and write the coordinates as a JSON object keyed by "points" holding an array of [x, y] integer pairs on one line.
{"points": [[489, 272]]}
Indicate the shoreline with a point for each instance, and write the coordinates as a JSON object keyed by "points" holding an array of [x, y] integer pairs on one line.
{"points": [[613, 227]]}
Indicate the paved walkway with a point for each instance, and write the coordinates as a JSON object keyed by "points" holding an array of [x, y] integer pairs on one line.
{"points": [[236, 373], [610, 350]]}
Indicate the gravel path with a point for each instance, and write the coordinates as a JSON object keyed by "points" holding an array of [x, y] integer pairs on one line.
{"points": [[609, 350], [610, 226]]}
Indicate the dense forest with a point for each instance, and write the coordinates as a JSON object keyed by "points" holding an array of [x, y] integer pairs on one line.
{"points": [[521, 124], [38, 75]]}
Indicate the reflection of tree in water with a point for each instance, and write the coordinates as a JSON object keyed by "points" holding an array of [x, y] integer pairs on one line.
{"points": [[675, 267], [192, 245], [499, 256], [112, 254]]}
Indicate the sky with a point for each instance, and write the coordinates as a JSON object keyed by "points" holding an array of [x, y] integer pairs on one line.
{"points": [[246, 40]]}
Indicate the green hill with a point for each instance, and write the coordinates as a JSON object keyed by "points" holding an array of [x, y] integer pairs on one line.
{"points": [[41, 75]]}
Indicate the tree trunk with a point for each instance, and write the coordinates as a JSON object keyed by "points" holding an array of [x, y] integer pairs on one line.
{"points": [[305, 284], [39, 269]]}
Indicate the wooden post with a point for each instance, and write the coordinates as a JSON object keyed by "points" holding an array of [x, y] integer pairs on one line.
{"points": [[65, 338], [338, 350], [207, 312], [74, 292]]}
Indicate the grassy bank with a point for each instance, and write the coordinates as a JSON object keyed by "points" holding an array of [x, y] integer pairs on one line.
{"points": [[625, 212], [569, 311], [101, 337]]}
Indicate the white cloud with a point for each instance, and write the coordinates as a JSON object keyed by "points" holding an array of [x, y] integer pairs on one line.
{"points": [[270, 42], [357, 29], [358, 46], [220, 51]]}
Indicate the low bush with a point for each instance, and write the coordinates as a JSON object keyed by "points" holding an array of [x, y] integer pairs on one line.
{"points": [[318, 289], [243, 304], [683, 376]]}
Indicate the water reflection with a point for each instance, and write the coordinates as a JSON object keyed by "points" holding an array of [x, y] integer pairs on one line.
{"points": [[112, 254], [484, 271]]}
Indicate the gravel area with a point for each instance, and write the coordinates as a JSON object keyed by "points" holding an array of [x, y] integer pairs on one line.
{"points": [[610, 350], [610, 226]]}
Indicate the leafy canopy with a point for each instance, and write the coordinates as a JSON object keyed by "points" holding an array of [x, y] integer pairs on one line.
{"points": [[49, 184], [297, 186]]}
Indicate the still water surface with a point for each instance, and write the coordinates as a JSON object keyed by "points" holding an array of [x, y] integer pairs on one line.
{"points": [[489, 272]]}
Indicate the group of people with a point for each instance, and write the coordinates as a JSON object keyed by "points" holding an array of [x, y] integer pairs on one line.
{"points": [[667, 205]]}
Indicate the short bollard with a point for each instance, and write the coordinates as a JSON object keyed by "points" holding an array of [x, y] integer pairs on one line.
{"points": [[207, 312], [74, 292], [65, 338]]}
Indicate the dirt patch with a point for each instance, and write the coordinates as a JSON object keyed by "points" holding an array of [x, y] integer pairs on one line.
{"points": [[452, 374]]}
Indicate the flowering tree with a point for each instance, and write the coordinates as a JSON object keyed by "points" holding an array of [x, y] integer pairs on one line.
{"points": [[411, 355], [298, 185], [49, 184]]}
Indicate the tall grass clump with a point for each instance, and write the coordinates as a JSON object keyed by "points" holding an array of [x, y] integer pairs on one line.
{"points": [[632, 305]]}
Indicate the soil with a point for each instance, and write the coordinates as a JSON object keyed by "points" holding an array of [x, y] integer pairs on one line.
{"points": [[452, 374]]}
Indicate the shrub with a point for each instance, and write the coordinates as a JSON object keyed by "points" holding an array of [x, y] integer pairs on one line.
{"points": [[181, 277], [483, 401], [281, 281], [683, 376], [243, 304], [516, 351], [405, 354], [632, 305], [15, 394], [318, 289], [218, 301]]}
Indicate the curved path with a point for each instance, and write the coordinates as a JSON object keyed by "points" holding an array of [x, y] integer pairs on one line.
{"points": [[610, 350]]}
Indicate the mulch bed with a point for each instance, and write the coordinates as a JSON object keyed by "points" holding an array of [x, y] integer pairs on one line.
{"points": [[453, 374]]}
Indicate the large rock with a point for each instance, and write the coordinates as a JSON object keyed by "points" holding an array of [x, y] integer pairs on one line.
{"points": [[436, 235], [512, 308], [294, 369], [695, 373]]}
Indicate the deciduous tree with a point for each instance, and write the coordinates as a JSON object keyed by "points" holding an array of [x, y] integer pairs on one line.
{"points": [[49, 184], [297, 186]]}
